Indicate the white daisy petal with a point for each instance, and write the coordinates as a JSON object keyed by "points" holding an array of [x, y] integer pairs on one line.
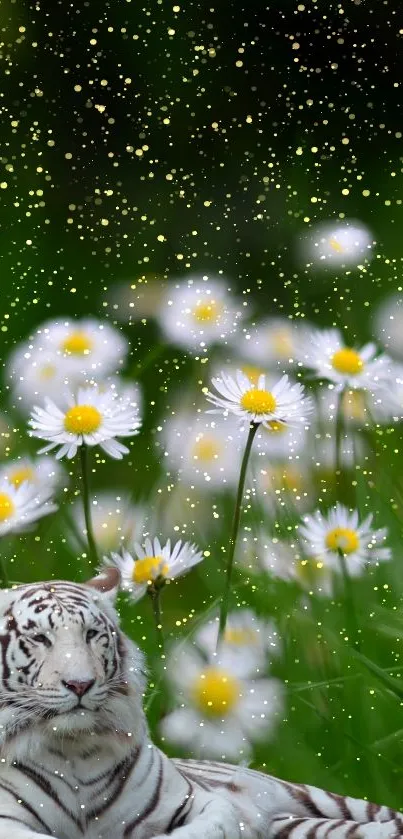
{"points": [[155, 562], [95, 417]]}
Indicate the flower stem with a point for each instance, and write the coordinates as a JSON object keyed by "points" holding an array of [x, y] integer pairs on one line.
{"points": [[351, 616], [339, 435], [155, 596], [234, 532], [92, 547]]}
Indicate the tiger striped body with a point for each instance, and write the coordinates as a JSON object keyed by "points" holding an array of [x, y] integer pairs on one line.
{"points": [[76, 758]]}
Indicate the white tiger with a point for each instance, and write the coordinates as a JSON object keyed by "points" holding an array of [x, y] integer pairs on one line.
{"points": [[76, 761]]}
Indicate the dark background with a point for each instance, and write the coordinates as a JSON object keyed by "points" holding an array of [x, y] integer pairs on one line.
{"points": [[310, 75]]}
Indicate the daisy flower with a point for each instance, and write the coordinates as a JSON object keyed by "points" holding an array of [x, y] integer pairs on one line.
{"points": [[283, 403], [388, 324], [271, 342], [198, 312], [116, 522], [247, 639], [45, 474], [33, 375], [223, 712], [279, 441], [86, 347], [340, 532], [152, 563], [203, 453], [326, 353], [340, 243], [21, 506], [92, 418], [283, 484]]}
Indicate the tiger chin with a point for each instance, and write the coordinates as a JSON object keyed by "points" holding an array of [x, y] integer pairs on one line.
{"points": [[76, 759]]}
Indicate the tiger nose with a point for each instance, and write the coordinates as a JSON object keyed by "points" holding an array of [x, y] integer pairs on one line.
{"points": [[79, 687]]}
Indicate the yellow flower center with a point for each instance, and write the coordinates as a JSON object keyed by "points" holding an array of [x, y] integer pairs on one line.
{"points": [[252, 373], [282, 343], [275, 427], [47, 372], [77, 343], [18, 476], [82, 419], [207, 311], [347, 361], [7, 506], [216, 692], [258, 401], [336, 245], [283, 479], [239, 636], [342, 539], [206, 449], [148, 569]]}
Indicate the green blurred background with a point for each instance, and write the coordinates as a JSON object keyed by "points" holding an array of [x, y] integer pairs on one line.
{"points": [[146, 142]]}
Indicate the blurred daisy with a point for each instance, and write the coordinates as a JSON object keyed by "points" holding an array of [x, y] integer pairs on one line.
{"points": [[21, 506], [153, 564], [45, 473], [34, 375], [277, 556], [223, 713], [283, 403], [283, 484], [353, 450], [116, 522], [340, 243], [388, 324], [92, 418], [279, 441], [269, 342], [198, 312], [340, 532], [205, 454], [247, 639], [326, 353], [86, 347]]}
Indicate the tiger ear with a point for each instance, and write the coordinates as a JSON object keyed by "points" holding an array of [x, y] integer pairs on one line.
{"points": [[106, 583]]}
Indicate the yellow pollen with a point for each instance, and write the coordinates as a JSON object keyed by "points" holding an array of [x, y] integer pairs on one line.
{"points": [[216, 692], [18, 476], [342, 539], [275, 427], [258, 402], [77, 343], [253, 373], [148, 569], [206, 449], [347, 361], [7, 506], [82, 419], [335, 245], [47, 372], [239, 636], [207, 311]]}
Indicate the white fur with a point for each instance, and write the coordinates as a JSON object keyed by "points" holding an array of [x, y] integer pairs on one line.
{"points": [[92, 772]]}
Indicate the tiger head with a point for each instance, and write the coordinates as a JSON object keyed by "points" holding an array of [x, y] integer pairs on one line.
{"points": [[66, 669]]}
